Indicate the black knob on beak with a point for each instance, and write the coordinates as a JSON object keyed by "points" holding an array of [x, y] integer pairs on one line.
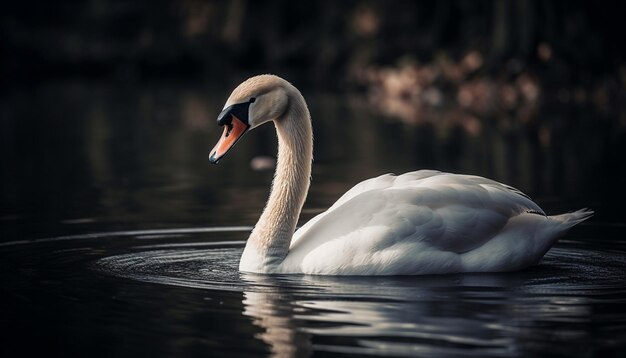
{"points": [[239, 110]]}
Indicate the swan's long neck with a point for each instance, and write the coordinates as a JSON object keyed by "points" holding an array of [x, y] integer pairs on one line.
{"points": [[269, 242]]}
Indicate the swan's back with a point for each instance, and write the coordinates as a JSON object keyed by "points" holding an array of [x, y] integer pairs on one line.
{"points": [[425, 222]]}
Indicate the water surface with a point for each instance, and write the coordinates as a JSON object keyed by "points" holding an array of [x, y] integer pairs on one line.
{"points": [[179, 292]]}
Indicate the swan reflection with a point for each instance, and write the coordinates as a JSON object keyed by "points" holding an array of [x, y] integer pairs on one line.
{"points": [[272, 309], [432, 315]]}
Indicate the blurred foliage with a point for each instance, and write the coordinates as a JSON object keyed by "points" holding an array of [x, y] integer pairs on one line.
{"points": [[322, 43], [529, 92]]}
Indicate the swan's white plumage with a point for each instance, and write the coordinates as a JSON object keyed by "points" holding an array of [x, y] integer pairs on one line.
{"points": [[423, 222]]}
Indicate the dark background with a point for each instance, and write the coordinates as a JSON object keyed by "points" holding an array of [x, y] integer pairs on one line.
{"points": [[320, 42], [108, 107]]}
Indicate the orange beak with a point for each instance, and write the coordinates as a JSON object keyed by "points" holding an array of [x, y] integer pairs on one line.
{"points": [[233, 131]]}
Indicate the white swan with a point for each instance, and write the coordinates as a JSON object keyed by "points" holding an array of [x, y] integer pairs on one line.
{"points": [[423, 222]]}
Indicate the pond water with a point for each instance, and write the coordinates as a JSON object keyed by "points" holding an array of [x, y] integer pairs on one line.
{"points": [[118, 239]]}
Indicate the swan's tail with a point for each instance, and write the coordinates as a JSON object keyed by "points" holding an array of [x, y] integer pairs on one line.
{"points": [[523, 242], [568, 220], [556, 226]]}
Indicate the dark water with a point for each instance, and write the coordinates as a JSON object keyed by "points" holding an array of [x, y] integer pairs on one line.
{"points": [[118, 239], [178, 292]]}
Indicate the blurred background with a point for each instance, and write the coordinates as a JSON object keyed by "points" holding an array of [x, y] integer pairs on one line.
{"points": [[108, 107]]}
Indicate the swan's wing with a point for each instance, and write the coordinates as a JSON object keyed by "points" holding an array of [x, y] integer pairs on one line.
{"points": [[381, 182], [445, 212]]}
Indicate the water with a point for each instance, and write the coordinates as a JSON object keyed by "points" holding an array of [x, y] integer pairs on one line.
{"points": [[117, 239], [178, 292]]}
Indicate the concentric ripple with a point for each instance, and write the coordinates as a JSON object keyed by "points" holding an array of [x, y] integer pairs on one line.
{"points": [[214, 266]]}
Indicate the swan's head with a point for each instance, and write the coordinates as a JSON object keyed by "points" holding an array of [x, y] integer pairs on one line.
{"points": [[258, 100]]}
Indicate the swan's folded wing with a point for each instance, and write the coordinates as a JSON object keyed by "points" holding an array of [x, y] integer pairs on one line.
{"points": [[384, 181], [444, 213]]}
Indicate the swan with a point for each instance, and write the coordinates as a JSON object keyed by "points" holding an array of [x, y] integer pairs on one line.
{"points": [[422, 222]]}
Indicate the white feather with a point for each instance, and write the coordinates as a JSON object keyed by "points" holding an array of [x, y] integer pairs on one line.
{"points": [[426, 222]]}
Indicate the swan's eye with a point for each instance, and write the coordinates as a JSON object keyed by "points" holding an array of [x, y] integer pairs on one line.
{"points": [[252, 100]]}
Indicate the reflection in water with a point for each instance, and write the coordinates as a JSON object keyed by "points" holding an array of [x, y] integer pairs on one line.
{"points": [[479, 315], [571, 304], [275, 313]]}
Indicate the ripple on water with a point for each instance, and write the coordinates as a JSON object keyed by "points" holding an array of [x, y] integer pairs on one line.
{"points": [[214, 266], [446, 315]]}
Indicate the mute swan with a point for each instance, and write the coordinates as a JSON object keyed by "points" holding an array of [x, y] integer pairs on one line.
{"points": [[423, 222]]}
